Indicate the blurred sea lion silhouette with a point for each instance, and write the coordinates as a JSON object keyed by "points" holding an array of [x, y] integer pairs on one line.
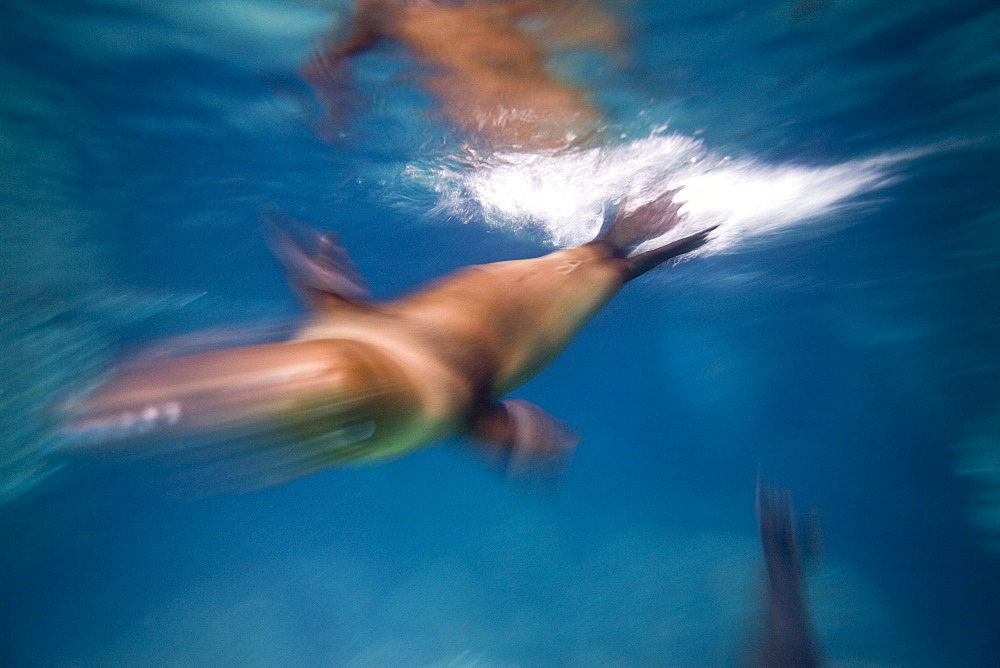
{"points": [[486, 64], [367, 381], [787, 638]]}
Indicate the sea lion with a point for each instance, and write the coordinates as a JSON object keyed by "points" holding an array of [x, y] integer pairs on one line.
{"points": [[483, 62], [786, 637], [366, 381]]}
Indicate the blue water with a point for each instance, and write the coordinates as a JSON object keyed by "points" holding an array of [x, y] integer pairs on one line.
{"points": [[853, 358]]}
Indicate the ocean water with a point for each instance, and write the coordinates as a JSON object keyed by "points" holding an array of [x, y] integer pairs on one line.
{"points": [[839, 334]]}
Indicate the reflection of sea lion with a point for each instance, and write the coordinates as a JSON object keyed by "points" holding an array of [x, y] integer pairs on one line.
{"points": [[487, 70], [364, 381]]}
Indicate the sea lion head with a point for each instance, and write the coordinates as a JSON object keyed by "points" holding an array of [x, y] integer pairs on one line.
{"points": [[334, 399]]}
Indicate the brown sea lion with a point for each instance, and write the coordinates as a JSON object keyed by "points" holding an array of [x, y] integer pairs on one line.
{"points": [[366, 381], [485, 63]]}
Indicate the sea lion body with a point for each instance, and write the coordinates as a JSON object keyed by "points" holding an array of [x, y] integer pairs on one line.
{"points": [[476, 334], [364, 380], [485, 64]]}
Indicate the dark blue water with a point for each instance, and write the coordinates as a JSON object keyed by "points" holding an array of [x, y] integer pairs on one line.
{"points": [[857, 365]]}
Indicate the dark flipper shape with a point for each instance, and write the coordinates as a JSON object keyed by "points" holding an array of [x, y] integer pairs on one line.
{"points": [[649, 221], [317, 266], [523, 439], [643, 262], [788, 638], [628, 229]]}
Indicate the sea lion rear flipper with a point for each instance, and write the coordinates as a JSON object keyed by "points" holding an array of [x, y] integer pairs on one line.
{"points": [[632, 227], [317, 266], [523, 439], [640, 263]]}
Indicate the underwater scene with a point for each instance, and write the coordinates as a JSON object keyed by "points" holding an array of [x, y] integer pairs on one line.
{"points": [[499, 333]]}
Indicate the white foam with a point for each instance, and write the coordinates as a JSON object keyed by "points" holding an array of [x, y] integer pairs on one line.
{"points": [[564, 196]]}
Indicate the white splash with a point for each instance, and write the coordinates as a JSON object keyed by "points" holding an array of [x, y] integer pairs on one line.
{"points": [[564, 196]]}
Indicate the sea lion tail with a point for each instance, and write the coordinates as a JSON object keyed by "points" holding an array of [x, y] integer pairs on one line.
{"points": [[630, 228]]}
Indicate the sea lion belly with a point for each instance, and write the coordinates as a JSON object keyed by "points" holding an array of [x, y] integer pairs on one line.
{"points": [[515, 317], [438, 395]]}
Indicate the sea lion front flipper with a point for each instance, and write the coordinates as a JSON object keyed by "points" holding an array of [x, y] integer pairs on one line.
{"points": [[523, 439], [788, 637], [317, 266]]}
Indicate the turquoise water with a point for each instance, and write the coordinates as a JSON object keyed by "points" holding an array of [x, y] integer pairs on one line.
{"points": [[840, 335]]}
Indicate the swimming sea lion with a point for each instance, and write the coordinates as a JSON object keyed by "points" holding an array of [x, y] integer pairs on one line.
{"points": [[786, 637], [366, 381], [483, 62]]}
